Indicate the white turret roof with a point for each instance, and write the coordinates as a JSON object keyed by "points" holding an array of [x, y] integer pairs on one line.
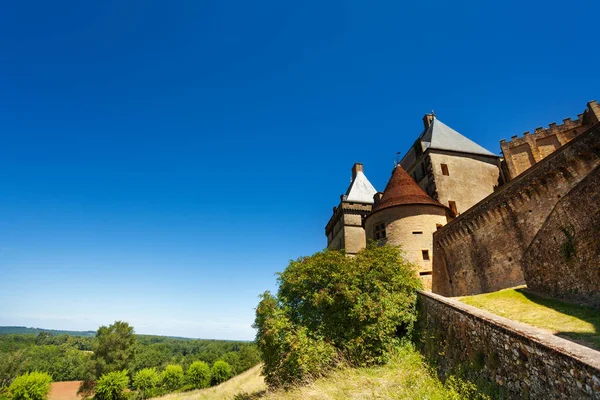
{"points": [[440, 136], [360, 189]]}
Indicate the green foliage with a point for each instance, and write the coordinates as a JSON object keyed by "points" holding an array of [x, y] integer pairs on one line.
{"points": [[330, 304], [30, 386], [69, 358], [221, 371], [198, 375], [114, 349], [112, 385], [172, 377], [568, 247], [145, 382]]}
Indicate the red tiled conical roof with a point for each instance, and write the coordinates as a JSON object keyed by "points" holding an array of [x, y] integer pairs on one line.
{"points": [[402, 190]]}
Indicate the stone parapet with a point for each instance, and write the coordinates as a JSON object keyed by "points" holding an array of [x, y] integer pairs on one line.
{"points": [[519, 360]]}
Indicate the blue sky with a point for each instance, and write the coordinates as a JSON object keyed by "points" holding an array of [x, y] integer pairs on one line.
{"points": [[161, 161]]}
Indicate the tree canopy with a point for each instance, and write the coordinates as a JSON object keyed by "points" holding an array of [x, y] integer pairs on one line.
{"points": [[330, 306]]}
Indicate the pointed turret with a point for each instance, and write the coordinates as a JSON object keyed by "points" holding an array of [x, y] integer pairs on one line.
{"points": [[403, 190], [344, 230]]}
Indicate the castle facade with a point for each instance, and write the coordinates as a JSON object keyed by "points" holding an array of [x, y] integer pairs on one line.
{"points": [[439, 190]]}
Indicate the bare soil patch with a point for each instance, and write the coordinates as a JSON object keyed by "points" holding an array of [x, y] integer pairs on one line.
{"points": [[64, 391]]}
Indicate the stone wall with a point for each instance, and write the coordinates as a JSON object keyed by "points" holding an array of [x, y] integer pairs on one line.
{"points": [[564, 258], [482, 250], [344, 230], [520, 361], [521, 153], [411, 227]]}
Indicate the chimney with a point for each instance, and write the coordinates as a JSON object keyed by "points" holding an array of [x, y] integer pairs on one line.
{"points": [[356, 168], [377, 197], [427, 119]]}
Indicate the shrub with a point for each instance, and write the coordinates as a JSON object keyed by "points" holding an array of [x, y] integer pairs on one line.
{"points": [[221, 371], [112, 385], [198, 375], [30, 386], [172, 377], [145, 382], [328, 304]]}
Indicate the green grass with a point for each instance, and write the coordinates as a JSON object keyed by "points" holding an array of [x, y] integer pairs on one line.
{"points": [[578, 323], [406, 376]]}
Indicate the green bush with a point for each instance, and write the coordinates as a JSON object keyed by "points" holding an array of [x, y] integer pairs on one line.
{"points": [[221, 371], [30, 386], [172, 377], [328, 304], [112, 385], [198, 375], [145, 382]]}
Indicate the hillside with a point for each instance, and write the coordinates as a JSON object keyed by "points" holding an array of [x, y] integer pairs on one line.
{"points": [[406, 376], [247, 382]]}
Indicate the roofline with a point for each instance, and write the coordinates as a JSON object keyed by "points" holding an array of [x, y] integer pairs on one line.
{"points": [[439, 205]]}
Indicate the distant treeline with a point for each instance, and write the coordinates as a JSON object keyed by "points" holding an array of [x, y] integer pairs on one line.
{"points": [[67, 357], [4, 330]]}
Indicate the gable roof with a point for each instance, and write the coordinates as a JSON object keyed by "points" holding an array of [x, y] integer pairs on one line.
{"points": [[440, 136], [360, 189], [403, 190]]}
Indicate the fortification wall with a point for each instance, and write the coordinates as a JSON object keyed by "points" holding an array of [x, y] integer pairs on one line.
{"points": [[564, 258], [482, 249], [521, 153], [521, 361]]}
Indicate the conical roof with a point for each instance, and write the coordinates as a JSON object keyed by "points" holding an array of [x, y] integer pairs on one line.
{"points": [[441, 136], [403, 190], [360, 189]]}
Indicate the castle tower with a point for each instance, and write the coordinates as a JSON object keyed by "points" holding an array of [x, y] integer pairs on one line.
{"points": [[345, 230], [451, 168], [406, 216]]}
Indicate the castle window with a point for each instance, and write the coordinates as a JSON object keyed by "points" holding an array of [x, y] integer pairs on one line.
{"points": [[417, 233], [425, 255], [380, 231], [452, 205], [445, 170]]}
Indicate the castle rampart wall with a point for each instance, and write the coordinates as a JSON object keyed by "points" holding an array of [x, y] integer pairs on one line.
{"points": [[563, 259], [521, 361], [482, 249], [521, 153]]}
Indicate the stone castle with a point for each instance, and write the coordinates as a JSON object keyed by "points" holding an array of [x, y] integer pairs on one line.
{"points": [[476, 222]]}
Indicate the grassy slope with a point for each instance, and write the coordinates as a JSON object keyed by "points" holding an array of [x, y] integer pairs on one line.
{"points": [[405, 377], [571, 321], [247, 382]]}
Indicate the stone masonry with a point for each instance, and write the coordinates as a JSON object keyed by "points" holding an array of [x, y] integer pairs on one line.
{"points": [[483, 249], [522, 362]]}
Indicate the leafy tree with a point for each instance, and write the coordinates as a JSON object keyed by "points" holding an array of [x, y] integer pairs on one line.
{"points": [[30, 386], [114, 349], [328, 303], [145, 382], [221, 371], [198, 375], [112, 385], [172, 377]]}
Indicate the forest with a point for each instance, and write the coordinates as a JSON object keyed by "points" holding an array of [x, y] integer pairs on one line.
{"points": [[66, 357]]}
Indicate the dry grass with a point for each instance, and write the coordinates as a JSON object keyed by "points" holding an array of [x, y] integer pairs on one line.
{"points": [[247, 382], [405, 377], [575, 322]]}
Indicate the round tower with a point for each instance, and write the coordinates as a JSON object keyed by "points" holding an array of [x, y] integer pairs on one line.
{"points": [[404, 215]]}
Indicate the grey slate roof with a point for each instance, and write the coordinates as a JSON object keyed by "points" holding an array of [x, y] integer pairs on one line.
{"points": [[360, 190], [440, 136]]}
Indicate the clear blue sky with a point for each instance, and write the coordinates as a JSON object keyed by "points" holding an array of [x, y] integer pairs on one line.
{"points": [[160, 161]]}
